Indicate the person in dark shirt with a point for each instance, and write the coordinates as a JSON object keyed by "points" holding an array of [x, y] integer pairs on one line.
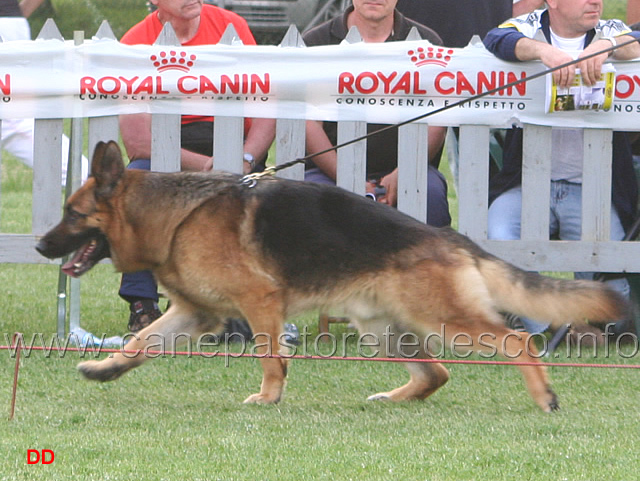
{"points": [[376, 22], [458, 20]]}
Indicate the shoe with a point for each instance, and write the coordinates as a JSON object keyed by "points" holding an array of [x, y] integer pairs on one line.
{"points": [[291, 334], [143, 313], [236, 330], [513, 322]]}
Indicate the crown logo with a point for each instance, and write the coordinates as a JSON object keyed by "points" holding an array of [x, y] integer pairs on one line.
{"points": [[173, 60], [431, 55]]}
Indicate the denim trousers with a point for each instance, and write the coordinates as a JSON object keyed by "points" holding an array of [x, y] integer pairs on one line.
{"points": [[565, 223], [437, 202]]}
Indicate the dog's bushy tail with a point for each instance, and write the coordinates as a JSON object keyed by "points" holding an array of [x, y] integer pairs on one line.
{"points": [[558, 301]]}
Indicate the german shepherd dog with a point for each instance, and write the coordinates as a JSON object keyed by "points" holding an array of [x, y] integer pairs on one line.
{"points": [[269, 252]]}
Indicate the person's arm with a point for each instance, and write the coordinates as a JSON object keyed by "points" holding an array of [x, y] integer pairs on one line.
{"points": [[259, 139], [511, 45], [591, 68], [317, 141], [390, 182], [525, 6], [528, 49], [136, 136], [27, 7], [628, 52], [502, 42]]}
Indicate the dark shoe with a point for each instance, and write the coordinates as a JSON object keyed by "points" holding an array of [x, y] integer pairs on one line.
{"points": [[513, 322], [143, 313], [236, 330]]}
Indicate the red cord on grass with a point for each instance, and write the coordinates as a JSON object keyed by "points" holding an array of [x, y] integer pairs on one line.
{"points": [[17, 349], [151, 353]]}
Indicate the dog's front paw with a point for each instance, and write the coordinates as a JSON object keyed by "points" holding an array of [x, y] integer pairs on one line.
{"points": [[101, 370], [261, 398], [381, 396]]}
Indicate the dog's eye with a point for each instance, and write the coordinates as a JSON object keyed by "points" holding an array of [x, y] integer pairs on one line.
{"points": [[74, 215]]}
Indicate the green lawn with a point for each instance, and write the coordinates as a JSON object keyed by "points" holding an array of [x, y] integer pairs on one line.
{"points": [[183, 418]]}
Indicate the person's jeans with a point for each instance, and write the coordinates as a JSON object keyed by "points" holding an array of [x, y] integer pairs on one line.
{"points": [[437, 202], [565, 223]]}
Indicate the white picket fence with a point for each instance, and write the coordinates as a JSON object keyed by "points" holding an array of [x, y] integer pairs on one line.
{"points": [[595, 252]]}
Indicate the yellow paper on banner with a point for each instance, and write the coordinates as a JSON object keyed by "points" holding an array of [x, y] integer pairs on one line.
{"points": [[579, 96]]}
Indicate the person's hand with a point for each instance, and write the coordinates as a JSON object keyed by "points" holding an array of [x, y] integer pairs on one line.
{"points": [[208, 165], [591, 68], [390, 183], [553, 57], [370, 188]]}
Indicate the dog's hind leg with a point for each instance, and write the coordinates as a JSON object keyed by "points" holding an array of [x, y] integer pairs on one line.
{"points": [[175, 326], [514, 346], [518, 347], [425, 377]]}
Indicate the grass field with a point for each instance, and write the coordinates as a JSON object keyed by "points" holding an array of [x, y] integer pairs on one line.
{"points": [[182, 418]]}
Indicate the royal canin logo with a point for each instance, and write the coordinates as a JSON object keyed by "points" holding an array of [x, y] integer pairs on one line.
{"points": [[173, 60], [431, 55]]}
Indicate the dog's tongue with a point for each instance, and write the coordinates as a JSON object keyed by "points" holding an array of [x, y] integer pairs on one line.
{"points": [[70, 268], [80, 263]]}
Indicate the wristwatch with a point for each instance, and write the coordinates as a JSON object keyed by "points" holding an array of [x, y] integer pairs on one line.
{"points": [[247, 157], [612, 40]]}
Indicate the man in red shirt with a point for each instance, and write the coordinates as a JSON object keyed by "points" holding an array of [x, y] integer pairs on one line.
{"points": [[194, 24]]}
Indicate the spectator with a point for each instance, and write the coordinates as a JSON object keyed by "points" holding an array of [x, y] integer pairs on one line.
{"points": [[379, 22], [457, 25], [17, 134], [194, 24], [571, 29], [456, 22]]}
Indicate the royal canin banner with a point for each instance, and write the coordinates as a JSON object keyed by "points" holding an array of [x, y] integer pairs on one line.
{"points": [[381, 83]]}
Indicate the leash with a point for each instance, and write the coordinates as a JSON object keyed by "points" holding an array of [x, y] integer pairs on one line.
{"points": [[250, 180]]}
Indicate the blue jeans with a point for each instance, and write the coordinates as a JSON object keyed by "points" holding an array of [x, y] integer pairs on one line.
{"points": [[141, 284], [437, 201], [565, 223]]}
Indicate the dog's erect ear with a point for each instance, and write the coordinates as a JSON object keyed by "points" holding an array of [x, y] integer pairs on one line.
{"points": [[107, 167]]}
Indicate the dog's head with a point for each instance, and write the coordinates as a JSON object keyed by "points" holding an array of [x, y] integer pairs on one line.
{"points": [[83, 226]]}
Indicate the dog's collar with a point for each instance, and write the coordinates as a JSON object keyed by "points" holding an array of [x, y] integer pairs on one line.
{"points": [[250, 180]]}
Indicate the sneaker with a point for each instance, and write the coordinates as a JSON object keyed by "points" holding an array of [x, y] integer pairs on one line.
{"points": [[291, 334], [143, 313], [513, 322]]}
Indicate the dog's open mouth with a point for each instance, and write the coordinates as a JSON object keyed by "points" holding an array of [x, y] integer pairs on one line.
{"points": [[86, 257]]}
